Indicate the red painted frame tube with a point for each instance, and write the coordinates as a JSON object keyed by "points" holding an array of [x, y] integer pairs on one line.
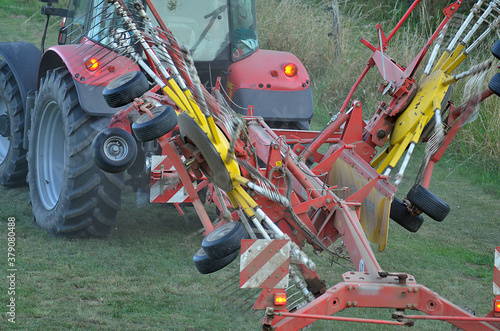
{"points": [[402, 20], [167, 149]]}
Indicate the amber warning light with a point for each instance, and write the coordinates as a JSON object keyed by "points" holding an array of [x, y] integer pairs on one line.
{"points": [[497, 306], [290, 69], [280, 299], [92, 64]]}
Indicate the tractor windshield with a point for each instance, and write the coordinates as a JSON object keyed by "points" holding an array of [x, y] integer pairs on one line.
{"points": [[204, 25], [244, 28]]}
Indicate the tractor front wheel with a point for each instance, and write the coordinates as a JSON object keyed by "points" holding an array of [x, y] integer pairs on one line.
{"points": [[13, 166], [70, 195]]}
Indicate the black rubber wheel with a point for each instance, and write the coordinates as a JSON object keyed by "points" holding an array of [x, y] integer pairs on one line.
{"points": [[494, 84], [495, 50], [224, 240], [124, 89], [401, 215], [206, 265], [70, 195], [146, 128], [429, 203], [13, 165], [114, 150]]}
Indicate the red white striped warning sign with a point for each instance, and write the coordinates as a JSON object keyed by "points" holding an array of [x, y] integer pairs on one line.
{"points": [[264, 263], [166, 186], [496, 272]]}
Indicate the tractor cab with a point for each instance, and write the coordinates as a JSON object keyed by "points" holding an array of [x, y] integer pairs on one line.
{"points": [[222, 38]]}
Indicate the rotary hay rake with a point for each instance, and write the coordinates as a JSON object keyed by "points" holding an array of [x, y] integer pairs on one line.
{"points": [[259, 176]]}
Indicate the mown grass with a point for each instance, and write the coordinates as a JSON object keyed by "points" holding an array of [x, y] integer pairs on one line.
{"points": [[142, 277]]}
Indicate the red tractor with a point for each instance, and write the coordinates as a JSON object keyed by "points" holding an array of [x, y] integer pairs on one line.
{"points": [[51, 107]]}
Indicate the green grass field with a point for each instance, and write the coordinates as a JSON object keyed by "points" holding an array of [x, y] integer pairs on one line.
{"points": [[143, 278]]}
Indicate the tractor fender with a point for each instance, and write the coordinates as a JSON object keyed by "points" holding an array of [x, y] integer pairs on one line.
{"points": [[23, 59], [260, 81], [89, 86]]}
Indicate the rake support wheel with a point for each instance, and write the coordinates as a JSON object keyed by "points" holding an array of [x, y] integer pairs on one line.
{"points": [[429, 203], [114, 150], [224, 240], [206, 265], [146, 128], [124, 89], [401, 215]]}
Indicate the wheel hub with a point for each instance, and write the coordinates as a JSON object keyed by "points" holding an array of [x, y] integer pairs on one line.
{"points": [[115, 148], [4, 126]]}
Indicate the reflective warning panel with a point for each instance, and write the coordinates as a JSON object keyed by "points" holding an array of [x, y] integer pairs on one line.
{"points": [[264, 263]]}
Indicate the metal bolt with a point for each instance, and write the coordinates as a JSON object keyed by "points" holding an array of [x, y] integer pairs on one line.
{"points": [[297, 150], [410, 290], [355, 303], [416, 290], [349, 287], [328, 200], [348, 303], [415, 305]]}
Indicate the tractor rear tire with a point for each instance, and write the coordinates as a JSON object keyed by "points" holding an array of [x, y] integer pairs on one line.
{"points": [[114, 150], [13, 165], [429, 203], [70, 196], [224, 240], [124, 89], [146, 128], [494, 84], [401, 215], [495, 50], [206, 265]]}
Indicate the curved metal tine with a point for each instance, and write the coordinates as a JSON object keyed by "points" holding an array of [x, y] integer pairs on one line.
{"points": [[435, 51], [160, 44], [492, 27], [479, 22], [461, 30]]}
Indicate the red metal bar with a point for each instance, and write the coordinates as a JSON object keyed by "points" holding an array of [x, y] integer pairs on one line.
{"points": [[402, 20], [339, 318], [452, 318], [369, 290], [324, 135], [167, 149]]}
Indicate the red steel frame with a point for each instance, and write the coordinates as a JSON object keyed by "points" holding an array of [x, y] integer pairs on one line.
{"points": [[321, 217]]}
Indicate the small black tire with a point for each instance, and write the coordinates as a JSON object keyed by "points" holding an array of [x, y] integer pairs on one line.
{"points": [[495, 50], [429, 203], [124, 89], [114, 150], [146, 128], [224, 240], [13, 164], [401, 215], [494, 84], [206, 265]]}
